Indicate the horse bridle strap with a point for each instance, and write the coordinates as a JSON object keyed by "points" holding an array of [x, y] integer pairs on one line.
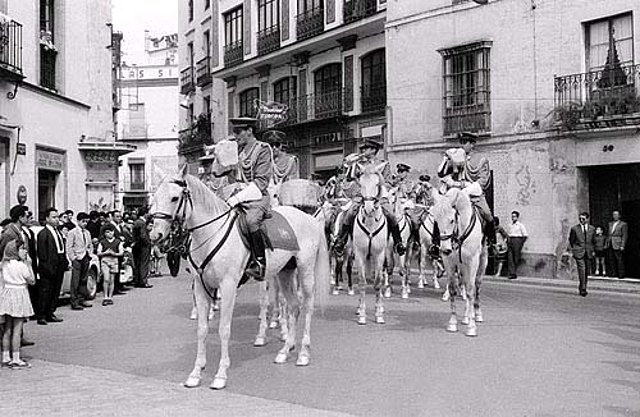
{"points": [[369, 234]]}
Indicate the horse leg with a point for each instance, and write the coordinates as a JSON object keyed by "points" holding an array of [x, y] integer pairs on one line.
{"points": [[261, 337], [404, 276], [437, 268], [470, 285], [379, 298], [422, 264], [228, 289], [307, 284], [362, 308], [338, 275], [350, 274], [388, 275], [202, 302], [476, 304], [452, 326], [288, 288]]}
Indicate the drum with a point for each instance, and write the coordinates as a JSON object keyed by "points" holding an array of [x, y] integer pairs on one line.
{"points": [[300, 193]]}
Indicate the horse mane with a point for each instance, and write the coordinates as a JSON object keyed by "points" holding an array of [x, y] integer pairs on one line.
{"points": [[204, 195]]}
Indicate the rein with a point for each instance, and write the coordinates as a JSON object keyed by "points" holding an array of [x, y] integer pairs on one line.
{"points": [[370, 235], [459, 240]]}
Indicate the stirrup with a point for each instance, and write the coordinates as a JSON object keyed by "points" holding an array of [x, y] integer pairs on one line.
{"points": [[255, 270], [400, 249]]}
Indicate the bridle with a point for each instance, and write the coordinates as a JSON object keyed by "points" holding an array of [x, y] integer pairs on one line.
{"points": [[458, 240]]}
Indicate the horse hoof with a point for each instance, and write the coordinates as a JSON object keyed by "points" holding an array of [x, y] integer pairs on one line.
{"points": [[405, 295], [280, 358], [210, 315], [362, 320], [471, 332], [452, 328], [218, 383], [380, 320], [408, 289], [445, 296], [465, 321], [351, 292], [273, 325], [420, 284], [194, 314], [303, 360], [260, 342], [479, 318], [436, 284], [191, 382], [335, 292]]}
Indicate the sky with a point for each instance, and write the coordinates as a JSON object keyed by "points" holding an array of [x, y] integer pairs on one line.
{"points": [[133, 17]]}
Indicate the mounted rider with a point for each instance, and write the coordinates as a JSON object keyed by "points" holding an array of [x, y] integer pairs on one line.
{"points": [[457, 171], [255, 167], [285, 166], [401, 182], [423, 199], [368, 155]]}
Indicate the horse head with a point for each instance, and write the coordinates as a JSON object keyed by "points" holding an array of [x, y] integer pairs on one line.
{"points": [[371, 187], [445, 215], [169, 204]]}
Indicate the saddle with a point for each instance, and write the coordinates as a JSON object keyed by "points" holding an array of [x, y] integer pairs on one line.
{"points": [[276, 232]]}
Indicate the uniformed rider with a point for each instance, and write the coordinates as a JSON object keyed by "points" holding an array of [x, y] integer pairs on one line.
{"points": [[368, 155], [285, 166], [457, 171], [254, 169], [401, 182]]}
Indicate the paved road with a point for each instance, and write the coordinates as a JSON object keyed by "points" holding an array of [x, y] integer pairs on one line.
{"points": [[542, 352]]}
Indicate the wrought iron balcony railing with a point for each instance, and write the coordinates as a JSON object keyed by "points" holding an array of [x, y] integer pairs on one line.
{"points": [[268, 40], [193, 138], [316, 106], [203, 71], [186, 81], [358, 9], [373, 97], [604, 98], [11, 47], [310, 23], [48, 67], [233, 54]]}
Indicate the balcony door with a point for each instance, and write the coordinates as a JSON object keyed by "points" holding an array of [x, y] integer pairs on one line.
{"points": [[374, 81], [328, 91]]}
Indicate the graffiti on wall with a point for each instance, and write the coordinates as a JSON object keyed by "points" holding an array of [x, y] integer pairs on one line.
{"points": [[526, 185]]}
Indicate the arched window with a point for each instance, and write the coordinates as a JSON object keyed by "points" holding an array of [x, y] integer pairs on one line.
{"points": [[373, 93], [328, 91], [247, 102], [285, 90]]}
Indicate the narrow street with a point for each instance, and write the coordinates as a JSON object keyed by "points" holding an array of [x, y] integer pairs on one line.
{"points": [[543, 351]]}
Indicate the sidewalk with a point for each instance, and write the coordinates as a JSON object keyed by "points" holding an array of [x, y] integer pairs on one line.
{"points": [[614, 285], [54, 389]]}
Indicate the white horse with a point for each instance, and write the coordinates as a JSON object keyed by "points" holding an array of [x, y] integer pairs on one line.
{"points": [[403, 262], [464, 253], [342, 262], [370, 236], [220, 257]]}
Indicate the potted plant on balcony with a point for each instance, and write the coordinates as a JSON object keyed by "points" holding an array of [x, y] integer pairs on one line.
{"points": [[4, 29]]}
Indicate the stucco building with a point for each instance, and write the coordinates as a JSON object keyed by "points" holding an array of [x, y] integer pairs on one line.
{"points": [[551, 87], [56, 105], [148, 119]]}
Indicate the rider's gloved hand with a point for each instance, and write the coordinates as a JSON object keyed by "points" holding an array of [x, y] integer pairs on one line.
{"points": [[233, 201]]}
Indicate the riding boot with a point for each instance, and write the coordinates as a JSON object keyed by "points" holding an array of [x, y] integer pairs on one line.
{"points": [[343, 237], [490, 233], [258, 262], [397, 239]]}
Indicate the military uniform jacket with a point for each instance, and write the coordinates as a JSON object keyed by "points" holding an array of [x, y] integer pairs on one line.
{"points": [[255, 165], [285, 168], [405, 188]]}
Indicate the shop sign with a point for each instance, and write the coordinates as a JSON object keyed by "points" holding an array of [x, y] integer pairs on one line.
{"points": [[272, 111], [49, 160]]}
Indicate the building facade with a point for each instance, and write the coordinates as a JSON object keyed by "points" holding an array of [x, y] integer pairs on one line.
{"points": [[56, 105], [321, 62], [552, 90], [148, 120], [202, 111]]}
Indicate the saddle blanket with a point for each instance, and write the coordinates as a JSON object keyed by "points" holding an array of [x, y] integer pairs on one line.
{"points": [[278, 233]]}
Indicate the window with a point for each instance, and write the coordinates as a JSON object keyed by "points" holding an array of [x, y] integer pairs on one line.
{"points": [[308, 5], [285, 90], [328, 91], [46, 17], [206, 43], [190, 115], [207, 4], [268, 14], [233, 27], [48, 52], [609, 52], [190, 53], [190, 12], [206, 105], [374, 81], [136, 172], [466, 88], [247, 102]]}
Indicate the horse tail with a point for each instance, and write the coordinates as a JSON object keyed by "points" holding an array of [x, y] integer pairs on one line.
{"points": [[322, 272]]}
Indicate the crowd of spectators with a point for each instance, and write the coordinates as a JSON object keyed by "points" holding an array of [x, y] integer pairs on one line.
{"points": [[32, 267]]}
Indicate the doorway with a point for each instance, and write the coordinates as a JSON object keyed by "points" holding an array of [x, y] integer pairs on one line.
{"points": [[617, 187], [47, 181]]}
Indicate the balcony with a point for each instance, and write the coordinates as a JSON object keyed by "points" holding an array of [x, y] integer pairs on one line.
{"points": [[598, 99], [310, 23], [373, 97], [203, 72], [268, 40], [233, 54], [354, 10], [11, 50], [186, 81], [316, 107], [194, 138]]}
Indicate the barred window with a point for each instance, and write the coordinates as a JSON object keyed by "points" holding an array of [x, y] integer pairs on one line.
{"points": [[467, 104], [233, 26], [285, 90], [308, 5], [247, 102], [268, 14]]}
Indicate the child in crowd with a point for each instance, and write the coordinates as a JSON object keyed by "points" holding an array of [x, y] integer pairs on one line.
{"points": [[110, 249], [599, 242], [15, 304]]}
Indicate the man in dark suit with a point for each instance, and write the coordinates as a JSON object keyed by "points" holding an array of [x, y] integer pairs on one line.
{"points": [[581, 242], [616, 243], [52, 263], [141, 250]]}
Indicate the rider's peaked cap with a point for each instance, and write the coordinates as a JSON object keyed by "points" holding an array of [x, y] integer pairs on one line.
{"points": [[403, 167], [243, 122], [275, 137], [372, 144], [467, 137], [424, 178]]}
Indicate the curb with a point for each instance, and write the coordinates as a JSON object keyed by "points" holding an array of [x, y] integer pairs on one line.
{"points": [[595, 284]]}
